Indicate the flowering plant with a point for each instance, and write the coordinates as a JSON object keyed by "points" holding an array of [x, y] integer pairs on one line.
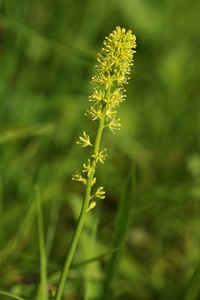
{"points": [[113, 70]]}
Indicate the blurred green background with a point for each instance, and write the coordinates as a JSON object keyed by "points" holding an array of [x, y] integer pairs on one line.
{"points": [[48, 51]]}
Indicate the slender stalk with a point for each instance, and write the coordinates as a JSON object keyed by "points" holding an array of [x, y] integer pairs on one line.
{"points": [[81, 217]]}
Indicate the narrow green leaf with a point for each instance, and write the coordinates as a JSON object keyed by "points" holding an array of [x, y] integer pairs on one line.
{"points": [[91, 270], [193, 289], [43, 288], [16, 134], [95, 259], [12, 244], [123, 220], [11, 295], [54, 214], [60, 47]]}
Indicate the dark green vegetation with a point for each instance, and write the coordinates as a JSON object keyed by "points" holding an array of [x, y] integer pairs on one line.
{"points": [[48, 51]]}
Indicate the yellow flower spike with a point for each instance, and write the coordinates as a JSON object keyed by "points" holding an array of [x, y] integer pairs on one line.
{"points": [[117, 55], [112, 71], [85, 140]]}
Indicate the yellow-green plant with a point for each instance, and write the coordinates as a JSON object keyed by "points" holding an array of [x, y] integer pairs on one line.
{"points": [[113, 71]]}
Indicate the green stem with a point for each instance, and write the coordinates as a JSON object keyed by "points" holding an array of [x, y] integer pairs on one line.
{"points": [[82, 213]]}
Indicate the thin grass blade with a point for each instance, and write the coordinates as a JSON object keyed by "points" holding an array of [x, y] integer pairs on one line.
{"points": [[43, 287], [193, 289], [123, 220], [11, 295]]}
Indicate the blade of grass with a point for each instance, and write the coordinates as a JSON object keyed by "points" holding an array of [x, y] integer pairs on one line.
{"points": [[43, 288], [95, 259], [60, 47], [193, 289], [11, 295], [55, 208], [122, 226], [12, 246], [91, 284], [20, 133], [55, 276]]}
